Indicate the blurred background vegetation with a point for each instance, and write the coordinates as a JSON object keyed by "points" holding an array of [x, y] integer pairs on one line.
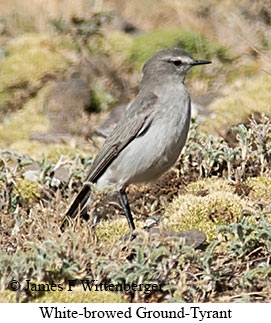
{"points": [[67, 70]]}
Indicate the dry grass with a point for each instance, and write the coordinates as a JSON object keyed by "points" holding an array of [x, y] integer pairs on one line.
{"points": [[33, 202]]}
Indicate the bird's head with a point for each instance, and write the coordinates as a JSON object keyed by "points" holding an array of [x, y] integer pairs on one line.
{"points": [[171, 62]]}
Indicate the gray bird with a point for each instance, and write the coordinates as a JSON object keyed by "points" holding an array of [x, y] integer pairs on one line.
{"points": [[149, 137]]}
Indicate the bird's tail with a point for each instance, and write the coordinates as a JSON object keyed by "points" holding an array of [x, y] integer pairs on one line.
{"points": [[81, 203]]}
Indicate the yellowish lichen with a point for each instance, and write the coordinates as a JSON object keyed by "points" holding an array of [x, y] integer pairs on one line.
{"points": [[28, 190], [30, 57], [29, 118], [109, 232], [21, 123], [14, 133], [260, 188], [239, 101], [209, 185], [203, 213], [112, 231]]}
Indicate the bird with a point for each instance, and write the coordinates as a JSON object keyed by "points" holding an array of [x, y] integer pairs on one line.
{"points": [[149, 137]]}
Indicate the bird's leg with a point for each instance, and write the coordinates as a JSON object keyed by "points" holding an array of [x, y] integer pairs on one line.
{"points": [[125, 205]]}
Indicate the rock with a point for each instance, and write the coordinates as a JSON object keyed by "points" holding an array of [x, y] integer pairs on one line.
{"points": [[66, 104], [32, 172], [67, 108], [62, 174]]}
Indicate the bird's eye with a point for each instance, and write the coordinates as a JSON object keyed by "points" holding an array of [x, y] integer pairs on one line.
{"points": [[177, 63]]}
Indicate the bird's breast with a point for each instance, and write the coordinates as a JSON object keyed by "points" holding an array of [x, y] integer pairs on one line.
{"points": [[149, 155]]}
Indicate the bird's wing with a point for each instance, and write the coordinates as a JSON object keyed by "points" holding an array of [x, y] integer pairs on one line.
{"points": [[134, 123]]}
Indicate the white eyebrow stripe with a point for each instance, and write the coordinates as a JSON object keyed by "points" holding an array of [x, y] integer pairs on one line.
{"points": [[177, 58], [182, 59]]}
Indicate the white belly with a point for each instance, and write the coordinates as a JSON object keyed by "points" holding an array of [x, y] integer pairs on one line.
{"points": [[148, 156]]}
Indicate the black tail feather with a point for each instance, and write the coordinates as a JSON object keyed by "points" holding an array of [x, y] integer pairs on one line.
{"points": [[80, 204]]}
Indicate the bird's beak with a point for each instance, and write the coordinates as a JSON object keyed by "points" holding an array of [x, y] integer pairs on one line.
{"points": [[200, 62]]}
